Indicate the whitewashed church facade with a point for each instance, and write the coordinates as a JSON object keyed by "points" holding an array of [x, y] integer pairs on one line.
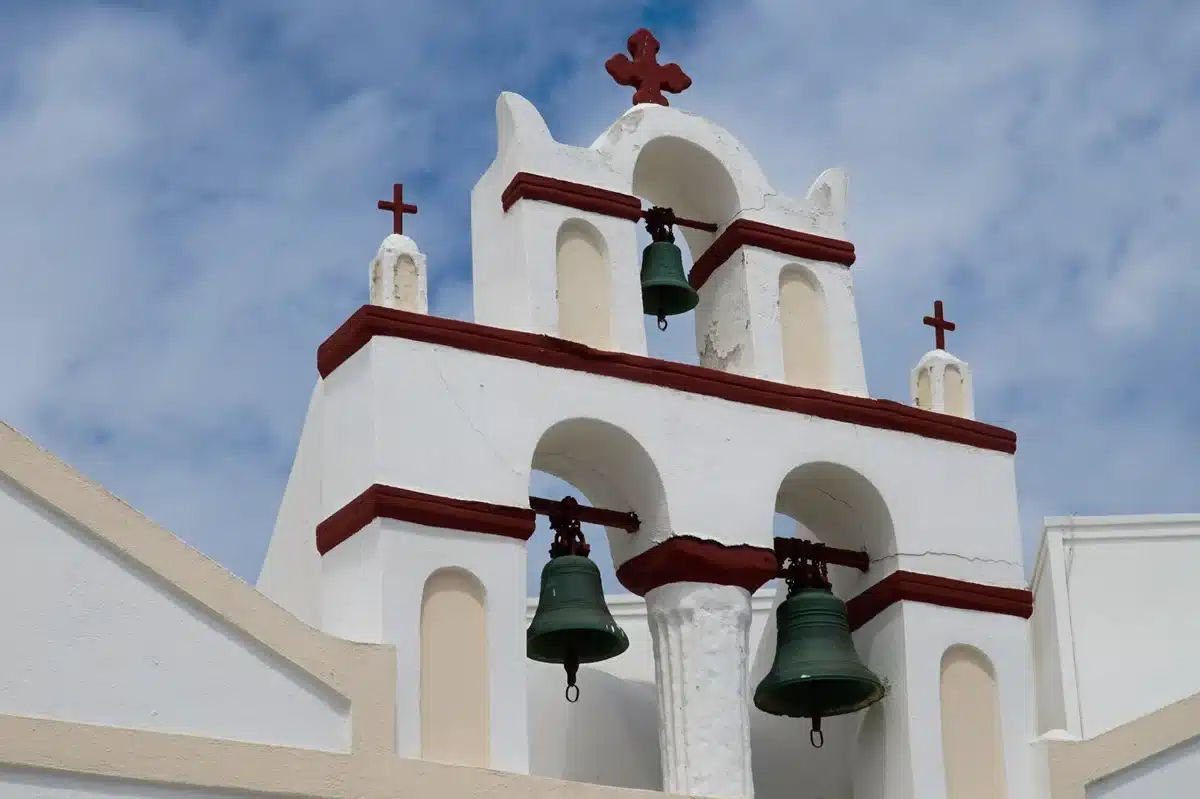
{"points": [[383, 652]]}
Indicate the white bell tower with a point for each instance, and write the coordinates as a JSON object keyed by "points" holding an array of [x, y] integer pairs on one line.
{"points": [[408, 510]]}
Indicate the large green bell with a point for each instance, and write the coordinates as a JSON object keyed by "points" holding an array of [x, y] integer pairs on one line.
{"points": [[572, 624], [816, 672], [665, 288]]}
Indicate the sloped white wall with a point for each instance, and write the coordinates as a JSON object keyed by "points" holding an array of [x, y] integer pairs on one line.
{"points": [[90, 637], [291, 571]]}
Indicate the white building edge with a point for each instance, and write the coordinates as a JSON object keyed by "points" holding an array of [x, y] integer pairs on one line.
{"points": [[387, 631]]}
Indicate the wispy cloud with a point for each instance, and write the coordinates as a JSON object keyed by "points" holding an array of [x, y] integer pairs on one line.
{"points": [[186, 211]]}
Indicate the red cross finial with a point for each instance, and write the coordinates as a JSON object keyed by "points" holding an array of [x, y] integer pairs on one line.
{"points": [[938, 322], [398, 208], [644, 73]]}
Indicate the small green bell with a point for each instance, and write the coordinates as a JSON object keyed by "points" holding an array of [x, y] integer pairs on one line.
{"points": [[816, 672], [665, 287], [572, 624]]}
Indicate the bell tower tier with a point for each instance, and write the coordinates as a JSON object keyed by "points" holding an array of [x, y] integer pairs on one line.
{"points": [[554, 240]]}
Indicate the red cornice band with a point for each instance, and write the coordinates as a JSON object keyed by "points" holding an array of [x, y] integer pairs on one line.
{"points": [[527, 186], [372, 320], [748, 233], [677, 560], [739, 233], [942, 591], [388, 502]]}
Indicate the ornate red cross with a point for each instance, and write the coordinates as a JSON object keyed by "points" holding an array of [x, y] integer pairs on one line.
{"points": [[398, 208], [938, 322], [644, 73]]}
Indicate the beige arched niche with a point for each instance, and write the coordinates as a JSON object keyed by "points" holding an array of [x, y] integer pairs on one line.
{"points": [[924, 390], [455, 724], [802, 325], [954, 392], [972, 746], [584, 285]]}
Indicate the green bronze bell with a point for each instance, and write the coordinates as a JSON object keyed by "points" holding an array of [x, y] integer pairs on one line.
{"points": [[816, 672], [572, 624], [665, 287]]}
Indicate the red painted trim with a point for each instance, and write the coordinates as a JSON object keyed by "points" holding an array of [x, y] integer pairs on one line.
{"points": [[942, 591], [739, 233], [527, 186], [387, 502], [748, 233], [687, 559], [372, 320]]}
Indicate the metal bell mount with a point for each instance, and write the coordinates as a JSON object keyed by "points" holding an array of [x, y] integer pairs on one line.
{"points": [[572, 624], [816, 672], [665, 287]]}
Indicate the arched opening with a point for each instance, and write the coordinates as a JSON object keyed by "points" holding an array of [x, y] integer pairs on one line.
{"points": [[924, 398], [954, 391], [687, 178], [610, 736], [837, 506], [803, 328], [972, 744], [455, 718], [584, 288]]}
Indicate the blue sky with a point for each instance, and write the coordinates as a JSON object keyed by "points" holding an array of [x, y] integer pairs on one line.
{"points": [[187, 201]]}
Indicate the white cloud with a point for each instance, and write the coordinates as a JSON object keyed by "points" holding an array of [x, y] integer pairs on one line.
{"points": [[187, 209]]}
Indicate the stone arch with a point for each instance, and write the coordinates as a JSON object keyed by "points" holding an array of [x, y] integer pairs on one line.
{"points": [[584, 284], [687, 177], [972, 743], [656, 147], [455, 717], [953, 391], [838, 506], [612, 470], [803, 327]]}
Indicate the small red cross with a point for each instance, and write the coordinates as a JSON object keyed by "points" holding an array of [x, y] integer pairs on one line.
{"points": [[938, 322], [398, 208], [644, 73]]}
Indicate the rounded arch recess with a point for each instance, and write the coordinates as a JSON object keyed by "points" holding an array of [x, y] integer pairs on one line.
{"points": [[584, 285], [612, 470], [972, 739], [835, 505], [455, 692]]}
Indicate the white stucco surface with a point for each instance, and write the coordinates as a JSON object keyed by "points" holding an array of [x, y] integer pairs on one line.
{"points": [[89, 637], [1115, 605], [476, 420], [373, 591]]}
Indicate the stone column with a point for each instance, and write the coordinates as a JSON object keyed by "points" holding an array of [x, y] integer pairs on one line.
{"points": [[701, 636]]}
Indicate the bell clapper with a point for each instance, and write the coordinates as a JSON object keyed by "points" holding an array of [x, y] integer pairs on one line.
{"points": [[571, 664], [662, 322], [816, 737]]}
